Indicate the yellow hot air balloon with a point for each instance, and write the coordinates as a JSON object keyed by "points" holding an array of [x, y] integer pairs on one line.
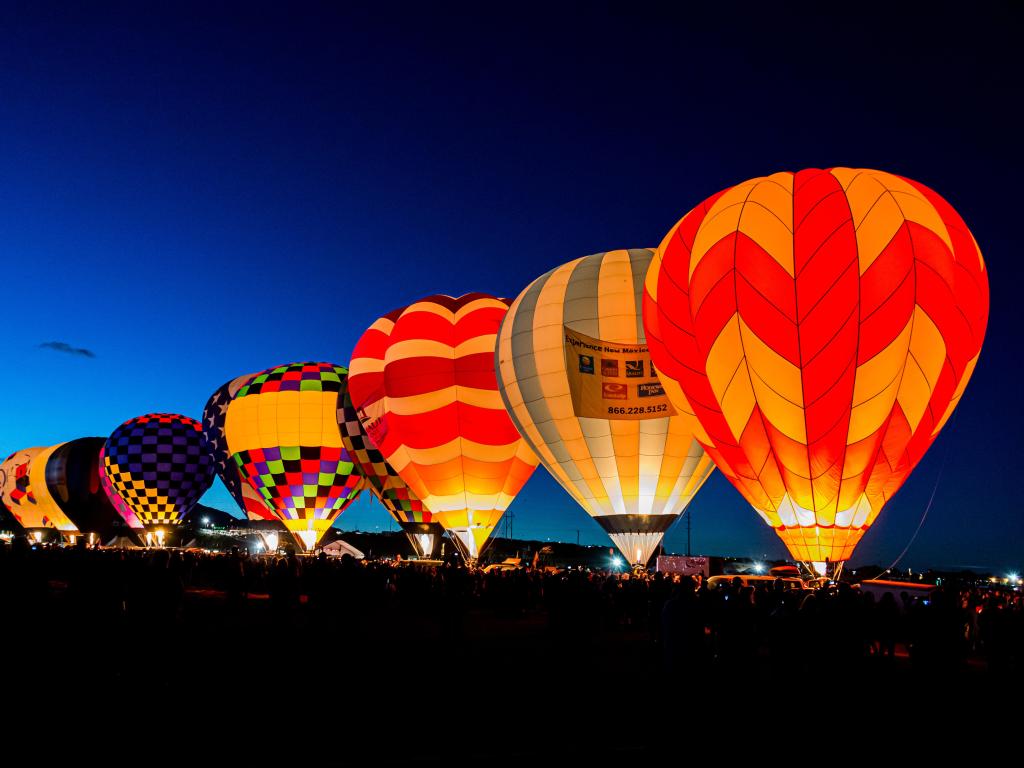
{"points": [[576, 377], [283, 436], [25, 492]]}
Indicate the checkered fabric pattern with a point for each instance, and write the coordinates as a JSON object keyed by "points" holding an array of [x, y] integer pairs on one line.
{"points": [[397, 498], [301, 482], [296, 377], [126, 512], [159, 466]]}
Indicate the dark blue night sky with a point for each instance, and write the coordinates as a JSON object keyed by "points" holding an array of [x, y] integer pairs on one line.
{"points": [[195, 194]]}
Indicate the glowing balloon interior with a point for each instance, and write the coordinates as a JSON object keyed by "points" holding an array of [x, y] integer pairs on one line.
{"points": [[248, 499], [423, 384], [159, 466], [631, 466], [282, 432], [822, 327]]}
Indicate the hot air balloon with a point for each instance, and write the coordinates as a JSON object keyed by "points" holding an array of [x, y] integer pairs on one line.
{"points": [[25, 493], [261, 516], [282, 433], [822, 327], [386, 484], [159, 466], [422, 381], [73, 476], [576, 377]]}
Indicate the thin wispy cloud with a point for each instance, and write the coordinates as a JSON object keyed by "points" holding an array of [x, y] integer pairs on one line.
{"points": [[67, 349]]}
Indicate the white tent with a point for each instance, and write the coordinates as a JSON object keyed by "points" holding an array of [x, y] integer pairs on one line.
{"points": [[339, 548], [122, 542]]}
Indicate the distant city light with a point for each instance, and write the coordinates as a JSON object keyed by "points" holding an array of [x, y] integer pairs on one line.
{"points": [[758, 567], [206, 521], [617, 561], [1014, 578]]}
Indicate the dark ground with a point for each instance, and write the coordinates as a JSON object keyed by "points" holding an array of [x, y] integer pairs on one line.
{"points": [[348, 672]]}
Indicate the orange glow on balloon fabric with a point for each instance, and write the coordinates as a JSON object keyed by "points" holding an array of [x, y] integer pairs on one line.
{"points": [[822, 327], [423, 383]]}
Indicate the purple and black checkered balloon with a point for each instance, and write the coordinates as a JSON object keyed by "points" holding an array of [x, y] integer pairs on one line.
{"points": [[159, 465]]}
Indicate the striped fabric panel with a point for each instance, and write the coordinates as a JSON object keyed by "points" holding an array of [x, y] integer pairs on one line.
{"points": [[610, 467], [821, 326], [428, 371]]}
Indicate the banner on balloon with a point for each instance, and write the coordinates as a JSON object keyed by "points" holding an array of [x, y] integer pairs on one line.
{"points": [[613, 381]]}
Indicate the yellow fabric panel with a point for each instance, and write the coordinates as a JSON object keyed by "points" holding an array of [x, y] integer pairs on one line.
{"points": [[876, 216], [515, 396], [683, 408], [318, 419], [625, 440], [705, 466], [436, 309], [480, 303], [781, 402], [728, 380], [277, 423], [240, 425], [817, 544], [927, 356], [430, 401], [464, 518], [459, 447], [876, 385], [672, 461], [767, 218], [270, 419], [720, 221], [616, 304], [725, 357], [549, 349], [45, 503], [361, 365], [964, 378], [915, 206], [845, 176], [411, 348]]}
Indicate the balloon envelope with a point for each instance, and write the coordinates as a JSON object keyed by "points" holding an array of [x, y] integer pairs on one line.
{"points": [[575, 375], [249, 500], [282, 432], [423, 384], [159, 466], [822, 326], [25, 493], [386, 484], [73, 477]]}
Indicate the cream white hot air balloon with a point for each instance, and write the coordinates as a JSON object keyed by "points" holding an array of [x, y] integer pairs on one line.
{"points": [[576, 377]]}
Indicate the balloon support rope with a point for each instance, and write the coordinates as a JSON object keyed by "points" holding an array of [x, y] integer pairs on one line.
{"points": [[927, 509]]}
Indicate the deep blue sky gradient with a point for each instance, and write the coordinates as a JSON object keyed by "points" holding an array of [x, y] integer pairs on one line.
{"points": [[193, 194]]}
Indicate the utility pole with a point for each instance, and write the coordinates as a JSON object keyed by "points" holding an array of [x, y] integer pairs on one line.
{"points": [[577, 537], [689, 518]]}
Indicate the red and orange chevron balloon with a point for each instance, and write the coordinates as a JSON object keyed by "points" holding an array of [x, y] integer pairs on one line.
{"points": [[423, 383], [822, 327]]}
